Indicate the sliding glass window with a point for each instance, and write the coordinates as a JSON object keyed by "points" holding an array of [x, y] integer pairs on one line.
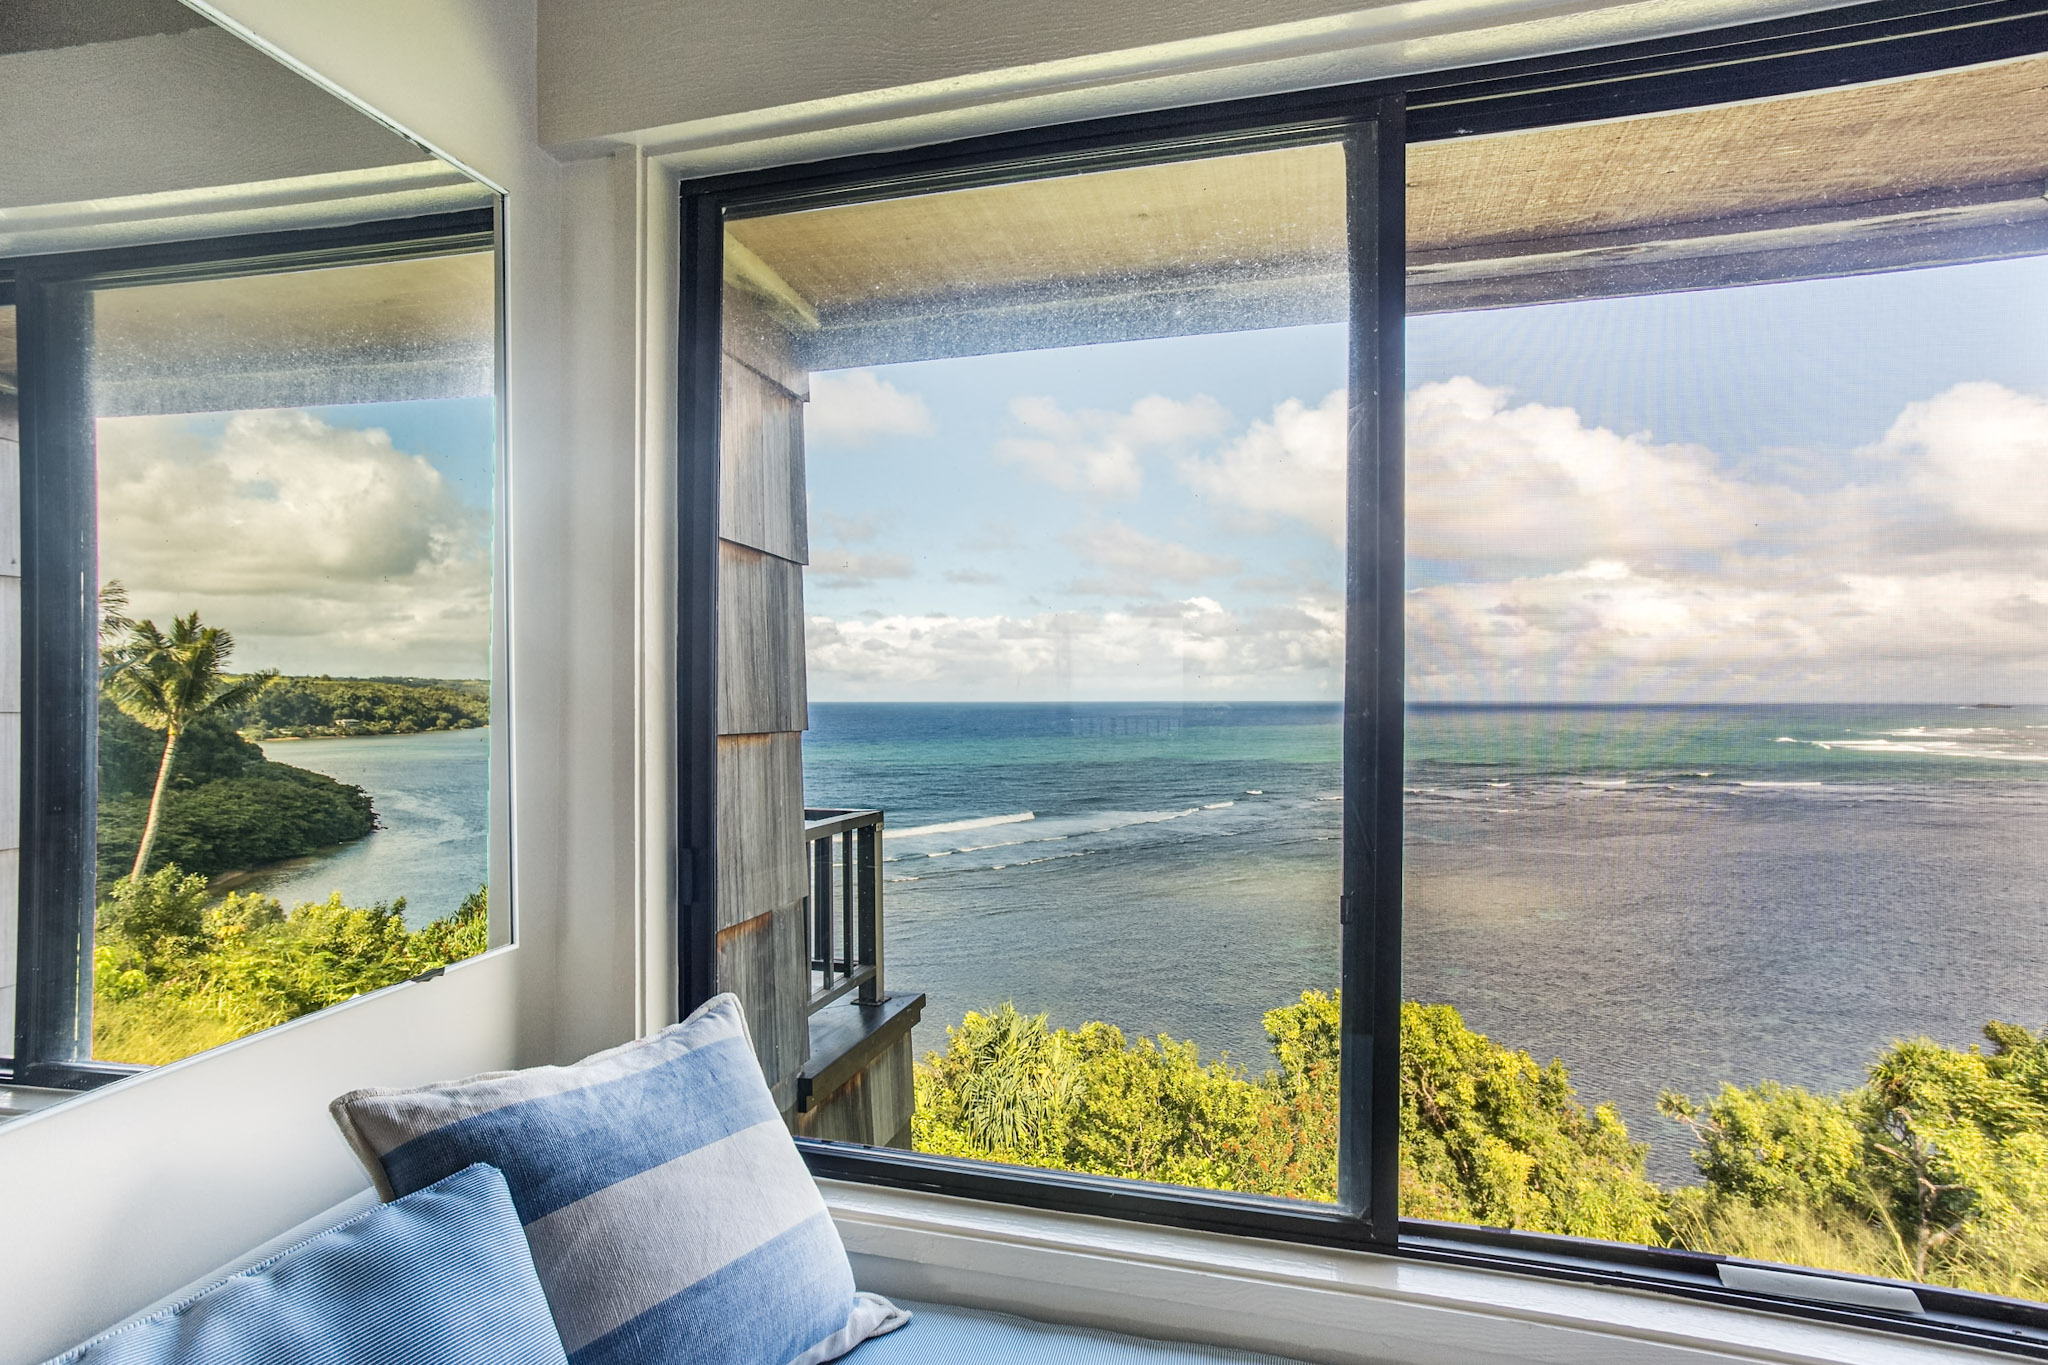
{"points": [[1033, 572], [1727, 774]]}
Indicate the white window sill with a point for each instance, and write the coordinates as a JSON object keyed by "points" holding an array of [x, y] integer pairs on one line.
{"points": [[1308, 1302], [17, 1100]]}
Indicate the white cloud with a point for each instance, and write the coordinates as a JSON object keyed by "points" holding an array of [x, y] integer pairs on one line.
{"points": [[1489, 480], [1291, 464], [1979, 451], [1535, 482], [857, 407], [322, 549], [1194, 646], [1098, 452], [1134, 564], [1608, 632]]}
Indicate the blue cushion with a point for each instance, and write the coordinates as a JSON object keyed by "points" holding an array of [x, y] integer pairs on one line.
{"points": [[939, 1335], [442, 1275], [671, 1219]]}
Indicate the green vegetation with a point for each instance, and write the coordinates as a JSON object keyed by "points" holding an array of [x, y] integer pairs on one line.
{"points": [[174, 972], [225, 807], [1936, 1169], [179, 781], [325, 707]]}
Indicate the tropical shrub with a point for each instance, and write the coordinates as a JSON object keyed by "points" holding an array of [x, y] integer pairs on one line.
{"points": [[174, 973], [1936, 1169], [1487, 1134]]}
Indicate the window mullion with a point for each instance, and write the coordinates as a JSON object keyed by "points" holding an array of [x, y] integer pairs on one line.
{"points": [[1368, 1161], [59, 771]]}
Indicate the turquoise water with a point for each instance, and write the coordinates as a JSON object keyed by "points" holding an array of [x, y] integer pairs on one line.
{"points": [[432, 841], [1661, 896]]}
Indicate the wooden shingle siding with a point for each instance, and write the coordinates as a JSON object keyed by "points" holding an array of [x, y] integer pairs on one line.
{"points": [[757, 341], [763, 542], [760, 643], [873, 1107], [761, 960], [761, 487], [760, 825]]}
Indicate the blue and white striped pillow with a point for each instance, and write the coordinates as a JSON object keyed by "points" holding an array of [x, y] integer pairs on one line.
{"points": [[670, 1216]]}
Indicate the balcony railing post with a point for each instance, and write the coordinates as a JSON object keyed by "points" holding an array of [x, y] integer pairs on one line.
{"points": [[845, 950], [870, 953], [849, 901], [821, 909]]}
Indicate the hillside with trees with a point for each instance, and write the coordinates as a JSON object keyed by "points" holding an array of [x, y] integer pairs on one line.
{"points": [[288, 707], [1935, 1169], [225, 808], [180, 781]]}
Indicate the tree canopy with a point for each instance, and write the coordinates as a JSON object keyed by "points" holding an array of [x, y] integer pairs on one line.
{"points": [[1936, 1169]]}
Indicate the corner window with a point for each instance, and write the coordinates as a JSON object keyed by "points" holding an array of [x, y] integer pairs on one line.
{"points": [[1447, 667], [258, 485]]}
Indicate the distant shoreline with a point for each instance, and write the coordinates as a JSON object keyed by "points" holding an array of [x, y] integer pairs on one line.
{"points": [[375, 734]]}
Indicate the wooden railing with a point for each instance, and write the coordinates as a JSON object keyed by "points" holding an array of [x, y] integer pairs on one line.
{"points": [[844, 923]]}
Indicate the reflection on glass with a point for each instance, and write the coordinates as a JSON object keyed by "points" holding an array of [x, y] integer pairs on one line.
{"points": [[1728, 731], [295, 484], [1074, 455]]}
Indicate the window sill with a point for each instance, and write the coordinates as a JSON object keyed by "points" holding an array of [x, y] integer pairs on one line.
{"points": [[19, 1100], [1307, 1302]]}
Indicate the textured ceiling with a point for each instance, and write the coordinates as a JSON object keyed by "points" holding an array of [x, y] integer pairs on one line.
{"points": [[1835, 149], [1837, 156]]}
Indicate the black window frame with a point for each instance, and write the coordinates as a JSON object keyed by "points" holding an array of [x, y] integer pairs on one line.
{"points": [[1851, 45], [52, 1037]]}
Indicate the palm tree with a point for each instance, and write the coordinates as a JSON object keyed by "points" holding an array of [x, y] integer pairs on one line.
{"points": [[167, 682]]}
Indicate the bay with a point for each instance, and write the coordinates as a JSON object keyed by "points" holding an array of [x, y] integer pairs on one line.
{"points": [[432, 842], [1661, 897]]}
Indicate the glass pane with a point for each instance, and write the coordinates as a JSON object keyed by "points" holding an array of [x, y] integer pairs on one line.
{"points": [[1727, 812], [10, 668], [295, 490], [1071, 473]]}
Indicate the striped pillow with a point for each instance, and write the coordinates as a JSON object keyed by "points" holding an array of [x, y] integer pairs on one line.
{"points": [[670, 1217]]}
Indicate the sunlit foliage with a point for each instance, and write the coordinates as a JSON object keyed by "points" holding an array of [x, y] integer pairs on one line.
{"points": [[175, 971], [1936, 1169]]}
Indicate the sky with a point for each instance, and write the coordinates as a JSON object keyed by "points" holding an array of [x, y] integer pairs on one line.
{"points": [[353, 540], [1831, 490]]}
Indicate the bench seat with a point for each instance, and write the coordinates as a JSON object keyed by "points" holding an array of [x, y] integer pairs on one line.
{"points": [[938, 1334]]}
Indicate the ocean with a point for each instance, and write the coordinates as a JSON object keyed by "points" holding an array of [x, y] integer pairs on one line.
{"points": [[1662, 897], [432, 842]]}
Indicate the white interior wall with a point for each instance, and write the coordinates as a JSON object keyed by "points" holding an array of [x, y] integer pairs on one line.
{"points": [[717, 78]]}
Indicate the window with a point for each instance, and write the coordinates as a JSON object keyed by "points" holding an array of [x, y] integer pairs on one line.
{"points": [[257, 490], [1092, 687], [1699, 463], [1727, 625]]}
